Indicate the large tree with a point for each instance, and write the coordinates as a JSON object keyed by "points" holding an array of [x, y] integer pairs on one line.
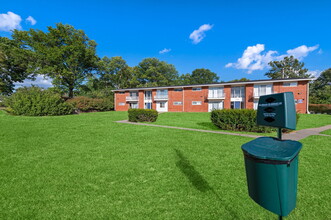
{"points": [[114, 73], [321, 88], [203, 76], [14, 64], [289, 67], [63, 53], [153, 72], [240, 80]]}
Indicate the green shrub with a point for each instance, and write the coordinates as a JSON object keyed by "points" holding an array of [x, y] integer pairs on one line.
{"points": [[141, 115], [237, 120], [35, 101], [86, 104], [2, 101], [320, 108]]}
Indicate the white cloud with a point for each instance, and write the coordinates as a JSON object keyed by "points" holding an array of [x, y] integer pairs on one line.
{"points": [[254, 57], [40, 81], [314, 73], [165, 50], [197, 35], [31, 20], [302, 51], [10, 21]]}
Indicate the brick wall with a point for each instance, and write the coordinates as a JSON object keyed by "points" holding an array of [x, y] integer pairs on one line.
{"points": [[121, 98], [175, 96], [191, 96], [249, 96], [299, 92], [227, 100]]}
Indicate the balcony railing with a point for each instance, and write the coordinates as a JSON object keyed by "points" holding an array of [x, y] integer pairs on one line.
{"points": [[218, 96], [148, 98], [258, 94], [132, 98], [161, 97]]}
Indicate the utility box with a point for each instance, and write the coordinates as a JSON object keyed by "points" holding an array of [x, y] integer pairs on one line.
{"points": [[277, 110]]}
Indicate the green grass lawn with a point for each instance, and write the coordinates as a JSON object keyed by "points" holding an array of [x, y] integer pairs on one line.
{"points": [[327, 132], [202, 121], [89, 167]]}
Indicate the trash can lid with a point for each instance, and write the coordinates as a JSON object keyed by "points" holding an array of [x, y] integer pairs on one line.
{"points": [[269, 148]]}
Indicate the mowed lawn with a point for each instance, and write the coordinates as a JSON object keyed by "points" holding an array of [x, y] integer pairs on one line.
{"points": [[201, 120], [89, 167]]}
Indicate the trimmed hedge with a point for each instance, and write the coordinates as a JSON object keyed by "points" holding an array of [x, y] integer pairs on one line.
{"points": [[35, 101], [142, 115], [320, 108], [237, 120], [86, 104]]}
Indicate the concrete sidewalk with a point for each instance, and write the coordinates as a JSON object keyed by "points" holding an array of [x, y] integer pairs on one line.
{"points": [[296, 135]]}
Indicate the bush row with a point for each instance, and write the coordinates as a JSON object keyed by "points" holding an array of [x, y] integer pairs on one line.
{"points": [[320, 108], [237, 120], [35, 101], [85, 104], [142, 115]]}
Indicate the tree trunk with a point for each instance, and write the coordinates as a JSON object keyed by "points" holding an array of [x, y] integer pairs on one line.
{"points": [[71, 91]]}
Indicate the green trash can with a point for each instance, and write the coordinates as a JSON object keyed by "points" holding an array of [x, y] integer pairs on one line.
{"points": [[272, 173]]}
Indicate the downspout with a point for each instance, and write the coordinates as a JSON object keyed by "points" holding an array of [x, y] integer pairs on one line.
{"points": [[115, 101], [307, 99], [183, 99]]}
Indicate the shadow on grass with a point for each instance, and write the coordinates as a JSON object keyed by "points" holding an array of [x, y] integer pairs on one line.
{"points": [[198, 181], [208, 125]]}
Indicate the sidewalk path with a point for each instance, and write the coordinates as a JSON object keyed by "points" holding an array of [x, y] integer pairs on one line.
{"points": [[296, 135]]}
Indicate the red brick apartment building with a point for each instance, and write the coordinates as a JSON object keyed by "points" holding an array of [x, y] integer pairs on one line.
{"points": [[206, 97]]}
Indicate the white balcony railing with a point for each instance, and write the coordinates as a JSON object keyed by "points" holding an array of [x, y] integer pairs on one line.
{"points": [[258, 94], [217, 96], [132, 98], [161, 97], [148, 98]]}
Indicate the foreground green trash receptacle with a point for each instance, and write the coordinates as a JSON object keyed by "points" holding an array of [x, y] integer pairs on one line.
{"points": [[272, 173]]}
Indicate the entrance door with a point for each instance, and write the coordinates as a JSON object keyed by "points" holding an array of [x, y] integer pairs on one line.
{"points": [[162, 106]]}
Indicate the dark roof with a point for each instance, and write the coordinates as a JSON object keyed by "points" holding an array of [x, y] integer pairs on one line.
{"points": [[220, 83]]}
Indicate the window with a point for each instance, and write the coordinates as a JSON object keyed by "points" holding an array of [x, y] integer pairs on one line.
{"points": [[196, 103], [216, 92], [290, 84], [162, 93], [121, 103], [178, 90], [237, 105], [196, 89], [238, 92], [148, 95], [162, 104], [178, 103], [121, 92], [134, 94], [215, 106], [133, 105]]}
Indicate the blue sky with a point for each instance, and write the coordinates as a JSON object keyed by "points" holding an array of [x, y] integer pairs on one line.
{"points": [[235, 39]]}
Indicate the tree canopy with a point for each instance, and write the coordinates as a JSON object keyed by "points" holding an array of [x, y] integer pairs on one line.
{"points": [[153, 72], [63, 53], [289, 67], [321, 88], [14, 64]]}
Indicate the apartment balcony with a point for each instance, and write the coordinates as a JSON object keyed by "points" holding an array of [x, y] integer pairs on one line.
{"points": [[257, 95], [132, 98], [216, 97], [161, 97], [148, 98]]}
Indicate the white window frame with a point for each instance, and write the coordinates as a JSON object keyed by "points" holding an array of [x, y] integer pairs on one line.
{"points": [[177, 103], [196, 102], [290, 84], [121, 103]]}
